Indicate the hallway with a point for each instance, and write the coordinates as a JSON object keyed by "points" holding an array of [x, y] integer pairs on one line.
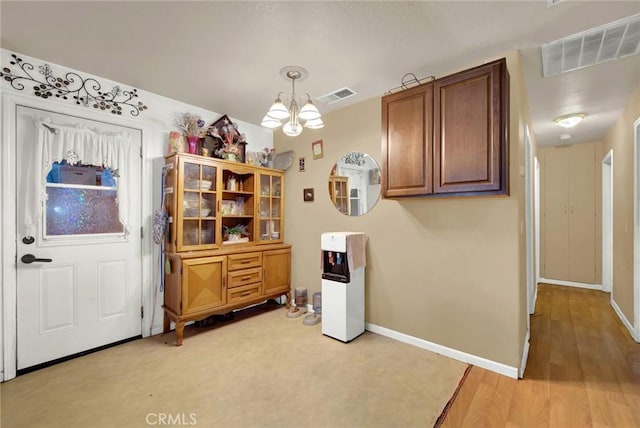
{"points": [[583, 370]]}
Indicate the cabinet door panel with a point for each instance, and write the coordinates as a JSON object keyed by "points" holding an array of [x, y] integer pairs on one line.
{"points": [[556, 214], [192, 203], [582, 220], [277, 270], [469, 119], [407, 135], [203, 284], [270, 208]]}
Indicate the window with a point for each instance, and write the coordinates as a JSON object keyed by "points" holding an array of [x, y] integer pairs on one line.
{"points": [[81, 200]]}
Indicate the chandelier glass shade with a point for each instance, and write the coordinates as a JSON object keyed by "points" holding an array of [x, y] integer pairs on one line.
{"points": [[292, 119]]}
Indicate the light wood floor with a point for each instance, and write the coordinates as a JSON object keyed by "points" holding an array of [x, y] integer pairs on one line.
{"points": [[583, 370]]}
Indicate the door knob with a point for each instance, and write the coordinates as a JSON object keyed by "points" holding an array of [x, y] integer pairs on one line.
{"points": [[30, 258]]}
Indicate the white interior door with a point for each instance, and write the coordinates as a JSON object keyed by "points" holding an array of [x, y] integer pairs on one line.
{"points": [[536, 220], [607, 222], [85, 288], [636, 228]]}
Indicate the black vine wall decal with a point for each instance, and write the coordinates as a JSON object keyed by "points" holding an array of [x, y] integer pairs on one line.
{"points": [[85, 92]]}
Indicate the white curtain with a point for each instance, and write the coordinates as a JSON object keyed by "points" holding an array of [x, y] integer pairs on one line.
{"points": [[74, 144]]}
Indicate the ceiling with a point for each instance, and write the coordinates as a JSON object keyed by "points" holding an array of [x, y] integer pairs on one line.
{"points": [[226, 56]]}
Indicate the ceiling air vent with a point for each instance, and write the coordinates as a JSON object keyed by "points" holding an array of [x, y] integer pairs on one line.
{"points": [[605, 43], [338, 95]]}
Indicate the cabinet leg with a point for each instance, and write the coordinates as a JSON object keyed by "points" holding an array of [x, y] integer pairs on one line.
{"points": [[166, 324], [179, 332], [288, 304]]}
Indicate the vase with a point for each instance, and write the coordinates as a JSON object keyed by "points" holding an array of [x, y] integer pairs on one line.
{"points": [[231, 157], [234, 237], [193, 143]]}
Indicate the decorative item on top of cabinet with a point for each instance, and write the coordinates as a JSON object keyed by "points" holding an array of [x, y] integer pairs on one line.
{"points": [[208, 271], [448, 137]]}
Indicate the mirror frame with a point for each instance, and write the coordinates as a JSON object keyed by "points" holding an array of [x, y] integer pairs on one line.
{"points": [[349, 168]]}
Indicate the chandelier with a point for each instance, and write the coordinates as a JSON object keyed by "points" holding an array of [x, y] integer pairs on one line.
{"points": [[279, 113]]}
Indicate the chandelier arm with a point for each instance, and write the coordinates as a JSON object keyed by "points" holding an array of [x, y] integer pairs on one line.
{"points": [[293, 106], [279, 112]]}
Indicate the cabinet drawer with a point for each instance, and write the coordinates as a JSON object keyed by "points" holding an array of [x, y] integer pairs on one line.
{"points": [[243, 261], [244, 277], [246, 292]]}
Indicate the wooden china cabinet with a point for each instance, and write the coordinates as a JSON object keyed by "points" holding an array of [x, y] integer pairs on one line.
{"points": [[339, 191], [209, 270]]}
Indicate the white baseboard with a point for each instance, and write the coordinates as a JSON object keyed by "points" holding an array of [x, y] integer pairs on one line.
{"points": [[525, 355], [484, 363], [571, 284], [624, 319]]}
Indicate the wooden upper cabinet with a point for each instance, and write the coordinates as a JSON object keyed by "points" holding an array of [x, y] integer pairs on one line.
{"points": [[407, 135], [448, 136], [470, 141]]}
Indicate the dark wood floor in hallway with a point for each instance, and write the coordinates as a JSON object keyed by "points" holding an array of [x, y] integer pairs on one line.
{"points": [[583, 370]]}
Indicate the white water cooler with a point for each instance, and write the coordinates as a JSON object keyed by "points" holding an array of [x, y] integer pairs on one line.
{"points": [[343, 263]]}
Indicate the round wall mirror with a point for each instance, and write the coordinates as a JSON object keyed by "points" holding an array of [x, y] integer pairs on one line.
{"points": [[354, 184]]}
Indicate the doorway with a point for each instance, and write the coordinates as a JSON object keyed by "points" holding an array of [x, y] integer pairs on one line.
{"points": [[636, 228], [84, 288], [536, 227], [529, 220], [607, 222]]}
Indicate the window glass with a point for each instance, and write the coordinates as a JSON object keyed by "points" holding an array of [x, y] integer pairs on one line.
{"points": [[81, 200]]}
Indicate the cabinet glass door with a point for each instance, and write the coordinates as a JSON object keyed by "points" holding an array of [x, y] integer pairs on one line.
{"points": [[196, 206], [339, 191], [270, 208]]}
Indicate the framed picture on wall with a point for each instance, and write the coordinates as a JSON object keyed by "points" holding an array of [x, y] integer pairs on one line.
{"points": [[307, 195], [316, 148]]}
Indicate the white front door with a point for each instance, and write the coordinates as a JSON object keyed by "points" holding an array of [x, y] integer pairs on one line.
{"points": [[85, 288]]}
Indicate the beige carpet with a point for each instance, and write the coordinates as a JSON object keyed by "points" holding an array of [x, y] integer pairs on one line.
{"points": [[260, 370]]}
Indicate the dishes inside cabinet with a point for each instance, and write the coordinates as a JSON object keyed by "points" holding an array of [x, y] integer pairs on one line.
{"points": [[195, 206], [205, 185]]}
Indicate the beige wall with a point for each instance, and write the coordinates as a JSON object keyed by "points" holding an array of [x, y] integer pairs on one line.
{"points": [[620, 139], [450, 271]]}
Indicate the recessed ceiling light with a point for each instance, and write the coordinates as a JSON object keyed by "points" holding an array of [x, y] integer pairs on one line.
{"points": [[565, 137], [569, 120]]}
